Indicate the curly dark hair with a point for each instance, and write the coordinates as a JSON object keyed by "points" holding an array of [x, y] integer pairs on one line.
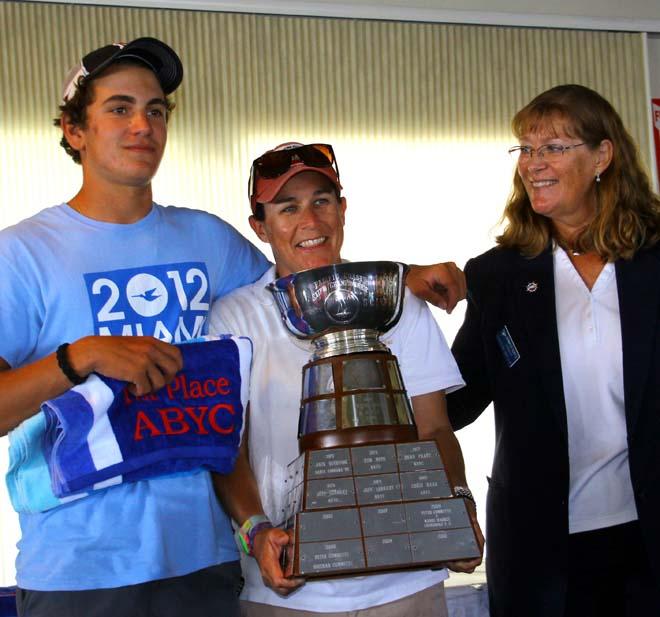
{"points": [[74, 111]]}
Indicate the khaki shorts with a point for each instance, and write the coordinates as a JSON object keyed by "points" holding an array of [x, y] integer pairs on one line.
{"points": [[429, 602]]}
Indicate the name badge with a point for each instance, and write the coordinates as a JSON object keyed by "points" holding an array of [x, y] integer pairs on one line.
{"points": [[507, 347]]}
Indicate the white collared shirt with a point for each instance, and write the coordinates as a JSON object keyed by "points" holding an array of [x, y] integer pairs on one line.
{"points": [[589, 329]]}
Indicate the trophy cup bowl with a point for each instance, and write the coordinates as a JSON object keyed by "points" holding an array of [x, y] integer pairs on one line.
{"points": [[352, 386], [365, 295]]}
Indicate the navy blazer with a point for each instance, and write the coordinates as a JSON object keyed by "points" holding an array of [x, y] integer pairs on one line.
{"points": [[527, 505]]}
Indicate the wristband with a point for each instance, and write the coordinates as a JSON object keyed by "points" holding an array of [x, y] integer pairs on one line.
{"points": [[465, 492], [246, 533], [65, 367]]}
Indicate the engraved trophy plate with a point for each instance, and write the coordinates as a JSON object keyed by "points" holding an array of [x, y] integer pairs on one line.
{"points": [[418, 456], [318, 415], [362, 374], [328, 557], [425, 484], [365, 495], [441, 514], [318, 380], [380, 520], [329, 463], [444, 545], [388, 550], [367, 409], [329, 525], [378, 489], [374, 459], [330, 493]]}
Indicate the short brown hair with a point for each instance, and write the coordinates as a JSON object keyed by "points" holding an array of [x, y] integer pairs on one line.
{"points": [[74, 110]]}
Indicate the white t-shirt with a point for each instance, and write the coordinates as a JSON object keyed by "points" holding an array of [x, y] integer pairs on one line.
{"points": [[427, 366], [589, 330]]}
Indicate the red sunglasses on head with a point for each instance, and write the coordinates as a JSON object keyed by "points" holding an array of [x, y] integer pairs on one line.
{"points": [[277, 162]]}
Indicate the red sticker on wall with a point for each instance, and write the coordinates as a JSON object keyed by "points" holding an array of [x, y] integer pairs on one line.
{"points": [[655, 106]]}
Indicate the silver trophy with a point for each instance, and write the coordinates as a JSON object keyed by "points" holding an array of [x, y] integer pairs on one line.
{"points": [[365, 495]]}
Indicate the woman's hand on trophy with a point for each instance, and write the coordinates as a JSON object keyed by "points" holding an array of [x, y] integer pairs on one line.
{"points": [[440, 284], [269, 546]]}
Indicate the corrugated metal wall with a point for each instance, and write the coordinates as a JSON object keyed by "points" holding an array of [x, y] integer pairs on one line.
{"points": [[420, 114], [253, 80]]}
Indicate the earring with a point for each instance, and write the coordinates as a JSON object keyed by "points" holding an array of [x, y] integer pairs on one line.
{"points": [[597, 177]]}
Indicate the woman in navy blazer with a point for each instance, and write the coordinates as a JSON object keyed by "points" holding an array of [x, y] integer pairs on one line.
{"points": [[562, 335]]}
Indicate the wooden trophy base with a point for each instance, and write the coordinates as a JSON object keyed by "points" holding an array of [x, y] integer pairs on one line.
{"points": [[363, 509]]}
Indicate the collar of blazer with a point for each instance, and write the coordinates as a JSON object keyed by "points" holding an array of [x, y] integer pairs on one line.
{"points": [[534, 296]]}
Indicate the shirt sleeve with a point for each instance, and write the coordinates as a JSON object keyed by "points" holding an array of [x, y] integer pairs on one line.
{"points": [[426, 362], [20, 318], [221, 318], [241, 262]]}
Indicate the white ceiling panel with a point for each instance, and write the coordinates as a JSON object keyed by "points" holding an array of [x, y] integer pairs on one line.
{"points": [[632, 15]]}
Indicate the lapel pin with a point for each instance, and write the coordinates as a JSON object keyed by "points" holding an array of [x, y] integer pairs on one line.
{"points": [[532, 286]]}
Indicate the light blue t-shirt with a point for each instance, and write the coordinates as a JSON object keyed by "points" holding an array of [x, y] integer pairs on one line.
{"points": [[64, 276]]}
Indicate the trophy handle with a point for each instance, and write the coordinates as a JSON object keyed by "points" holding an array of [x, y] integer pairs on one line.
{"points": [[404, 269]]}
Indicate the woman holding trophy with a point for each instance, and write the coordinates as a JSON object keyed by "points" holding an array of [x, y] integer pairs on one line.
{"points": [[297, 208]]}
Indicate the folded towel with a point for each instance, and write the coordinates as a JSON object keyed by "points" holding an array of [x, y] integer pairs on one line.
{"points": [[28, 480], [98, 434]]}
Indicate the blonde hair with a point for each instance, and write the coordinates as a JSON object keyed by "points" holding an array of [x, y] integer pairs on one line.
{"points": [[627, 213]]}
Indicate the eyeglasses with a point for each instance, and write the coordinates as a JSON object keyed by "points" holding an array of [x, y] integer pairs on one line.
{"points": [[548, 152], [278, 162]]}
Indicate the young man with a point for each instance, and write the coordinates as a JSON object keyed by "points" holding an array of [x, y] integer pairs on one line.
{"points": [[117, 278], [111, 262], [297, 209]]}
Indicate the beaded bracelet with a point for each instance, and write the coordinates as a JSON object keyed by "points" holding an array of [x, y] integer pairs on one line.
{"points": [[249, 529], [65, 367]]}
